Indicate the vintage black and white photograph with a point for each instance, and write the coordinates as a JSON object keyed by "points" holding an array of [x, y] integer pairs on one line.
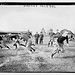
{"points": [[37, 38]]}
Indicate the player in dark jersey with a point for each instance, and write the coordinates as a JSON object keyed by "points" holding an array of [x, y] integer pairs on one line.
{"points": [[60, 41]]}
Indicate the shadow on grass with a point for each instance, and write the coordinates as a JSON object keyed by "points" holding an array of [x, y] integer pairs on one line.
{"points": [[14, 68], [66, 57], [71, 50]]}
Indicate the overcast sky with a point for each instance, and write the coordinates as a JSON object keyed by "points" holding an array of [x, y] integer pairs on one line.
{"points": [[14, 18]]}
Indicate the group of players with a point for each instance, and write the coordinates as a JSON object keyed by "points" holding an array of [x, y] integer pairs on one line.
{"points": [[27, 38]]}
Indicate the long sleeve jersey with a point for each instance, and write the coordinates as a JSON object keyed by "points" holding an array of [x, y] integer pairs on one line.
{"points": [[61, 39]]}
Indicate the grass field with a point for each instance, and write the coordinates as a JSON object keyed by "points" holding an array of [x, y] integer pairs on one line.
{"points": [[22, 60]]}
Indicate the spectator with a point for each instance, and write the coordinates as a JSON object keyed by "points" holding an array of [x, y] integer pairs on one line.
{"points": [[36, 37], [41, 38]]}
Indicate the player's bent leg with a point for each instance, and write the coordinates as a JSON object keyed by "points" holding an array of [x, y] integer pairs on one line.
{"points": [[15, 45], [48, 43], [32, 49], [51, 43], [1, 47], [62, 51], [56, 51], [53, 54], [33, 44], [22, 45], [6, 46]]}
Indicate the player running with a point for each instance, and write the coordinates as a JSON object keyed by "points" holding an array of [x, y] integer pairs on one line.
{"points": [[28, 40], [3, 42], [60, 41]]}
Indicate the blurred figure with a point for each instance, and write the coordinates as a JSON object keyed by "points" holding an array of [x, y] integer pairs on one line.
{"points": [[41, 38], [57, 32], [60, 41], [36, 37], [3, 42], [50, 43], [51, 33], [30, 44], [17, 42]]}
